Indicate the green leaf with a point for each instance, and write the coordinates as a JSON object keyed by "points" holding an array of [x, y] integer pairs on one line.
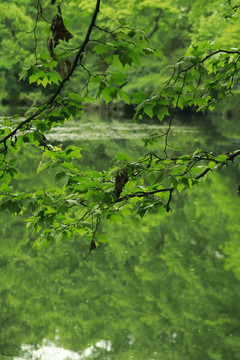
{"points": [[181, 102], [148, 51], [54, 76], [60, 175], [199, 102], [185, 181], [96, 79], [43, 81], [184, 158], [138, 97], [109, 93], [138, 114], [102, 238], [116, 218], [161, 112], [148, 109], [125, 58], [13, 207], [211, 165], [75, 97], [5, 188], [13, 172], [124, 96], [102, 48], [34, 77], [43, 166], [174, 182], [221, 158], [122, 157]]}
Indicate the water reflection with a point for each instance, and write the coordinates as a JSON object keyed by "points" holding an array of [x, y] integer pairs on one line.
{"points": [[85, 131], [140, 291], [49, 351]]}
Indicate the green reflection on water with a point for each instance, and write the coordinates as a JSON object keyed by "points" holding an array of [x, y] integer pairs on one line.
{"points": [[158, 290]]}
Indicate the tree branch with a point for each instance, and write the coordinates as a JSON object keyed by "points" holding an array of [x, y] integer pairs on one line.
{"points": [[77, 60], [171, 189], [78, 57], [233, 155], [155, 24], [209, 56], [143, 193]]}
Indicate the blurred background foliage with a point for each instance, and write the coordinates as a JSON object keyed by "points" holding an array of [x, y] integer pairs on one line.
{"points": [[166, 289], [171, 26], [165, 286]]}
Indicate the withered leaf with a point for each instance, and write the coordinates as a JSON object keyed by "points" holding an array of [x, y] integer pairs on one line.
{"points": [[120, 180], [50, 49], [65, 67], [92, 246], [62, 70], [59, 31]]}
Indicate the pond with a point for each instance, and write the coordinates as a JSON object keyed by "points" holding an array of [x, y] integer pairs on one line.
{"points": [[162, 288], [75, 131]]}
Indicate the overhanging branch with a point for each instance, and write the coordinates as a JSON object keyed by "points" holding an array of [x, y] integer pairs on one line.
{"points": [[171, 189], [155, 24], [77, 60]]}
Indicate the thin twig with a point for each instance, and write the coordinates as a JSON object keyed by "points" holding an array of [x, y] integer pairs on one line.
{"points": [[77, 60]]}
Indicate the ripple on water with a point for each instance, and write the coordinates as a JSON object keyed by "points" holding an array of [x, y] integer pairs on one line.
{"points": [[109, 131]]}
